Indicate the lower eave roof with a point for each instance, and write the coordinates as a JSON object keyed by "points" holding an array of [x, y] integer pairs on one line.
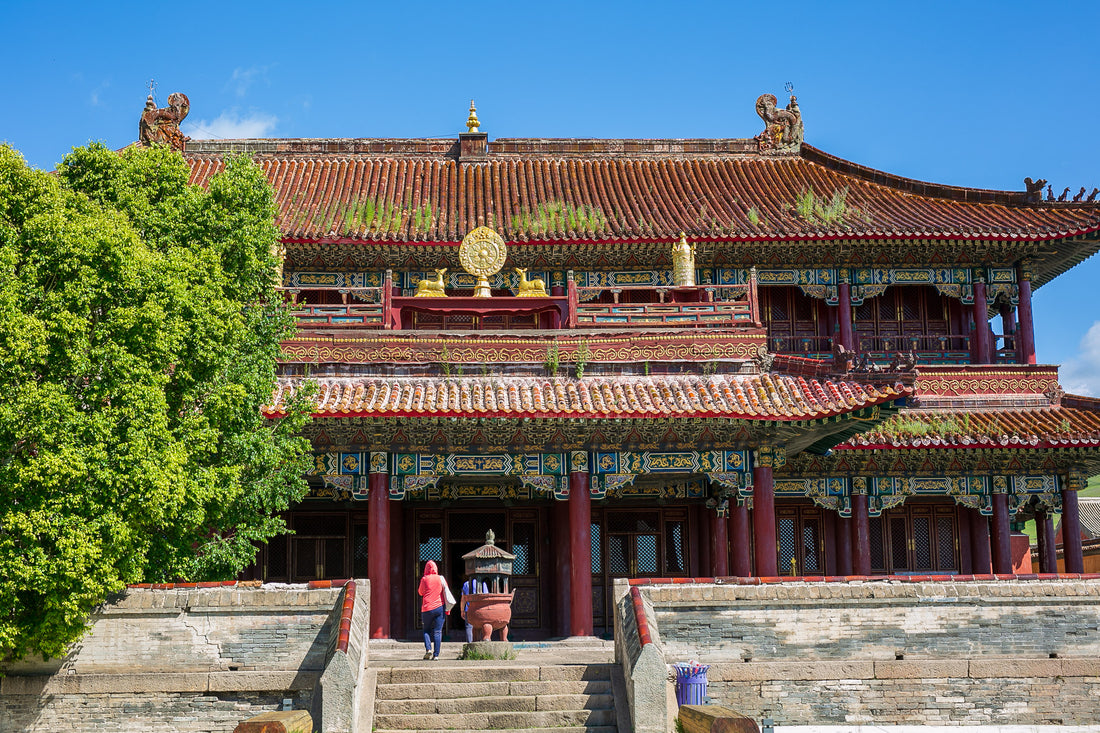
{"points": [[774, 397], [1074, 423]]}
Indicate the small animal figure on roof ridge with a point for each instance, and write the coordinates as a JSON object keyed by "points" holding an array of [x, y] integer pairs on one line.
{"points": [[1050, 193], [1080, 195], [1092, 196], [1064, 194], [1034, 188]]}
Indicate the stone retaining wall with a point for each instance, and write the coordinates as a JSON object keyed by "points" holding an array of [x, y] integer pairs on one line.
{"points": [[1019, 652], [187, 659]]}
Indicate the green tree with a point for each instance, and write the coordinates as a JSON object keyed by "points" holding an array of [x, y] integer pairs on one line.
{"points": [[139, 332]]}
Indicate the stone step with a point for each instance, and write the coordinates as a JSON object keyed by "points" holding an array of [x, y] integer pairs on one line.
{"points": [[496, 720], [496, 703], [413, 691], [435, 673], [559, 729]]}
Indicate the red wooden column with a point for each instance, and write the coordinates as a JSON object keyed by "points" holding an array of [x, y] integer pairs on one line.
{"points": [[399, 582], [740, 534], [861, 533], [1002, 543], [1026, 327], [719, 545], [378, 545], [580, 548], [1071, 524], [979, 543], [966, 560], [562, 549], [763, 513], [844, 314], [979, 348], [843, 545]]}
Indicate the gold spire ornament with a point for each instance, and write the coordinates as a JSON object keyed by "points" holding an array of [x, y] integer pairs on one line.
{"points": [[482, 254], [472, 124], [683, 263]]}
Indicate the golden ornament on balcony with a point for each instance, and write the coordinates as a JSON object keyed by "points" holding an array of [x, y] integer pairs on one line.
{"points": [[530, 288], [482, 254], [433, 288], [683, 263]]}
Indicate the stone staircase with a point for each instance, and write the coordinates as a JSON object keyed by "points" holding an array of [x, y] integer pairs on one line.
{"points": [[506, 699]]}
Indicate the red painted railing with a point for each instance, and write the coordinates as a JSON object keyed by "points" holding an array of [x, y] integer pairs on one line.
{"points": [[639, 617]]}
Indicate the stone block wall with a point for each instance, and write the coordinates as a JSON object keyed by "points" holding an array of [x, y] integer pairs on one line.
{"points": [[892, 652], [193, 659]]}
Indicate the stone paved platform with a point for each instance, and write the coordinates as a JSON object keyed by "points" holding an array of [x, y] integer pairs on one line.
{"points": [[574, 650]]}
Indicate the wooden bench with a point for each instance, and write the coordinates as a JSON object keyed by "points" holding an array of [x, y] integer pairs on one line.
{"points": [[289, 721], [715, 719]]}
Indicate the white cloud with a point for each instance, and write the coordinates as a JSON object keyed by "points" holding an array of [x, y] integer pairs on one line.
{"points": [[1081, 374], [242, 79], [93, 97], [230, 124]]}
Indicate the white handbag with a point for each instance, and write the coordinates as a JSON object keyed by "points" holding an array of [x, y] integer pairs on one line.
{"points": [[448, 597]]}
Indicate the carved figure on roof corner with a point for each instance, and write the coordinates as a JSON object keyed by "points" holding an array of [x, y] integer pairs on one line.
{"points": [[683, 263], [843, 358], [782, 127], [162, 124], [903, 362]]}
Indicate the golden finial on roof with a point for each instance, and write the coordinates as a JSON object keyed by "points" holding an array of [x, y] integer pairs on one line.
{"points": [[683, 263], [472, 123]]}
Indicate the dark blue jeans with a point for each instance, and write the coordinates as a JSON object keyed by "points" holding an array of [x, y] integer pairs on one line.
{"points": [[433, 629]]}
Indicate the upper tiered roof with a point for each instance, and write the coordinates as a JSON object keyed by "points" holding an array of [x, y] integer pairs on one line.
{"points": [[536, 190], [567, 192]]}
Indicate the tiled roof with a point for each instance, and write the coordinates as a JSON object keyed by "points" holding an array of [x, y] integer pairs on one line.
{"points": [[747, 397], [616, 190], [1074, 423]]}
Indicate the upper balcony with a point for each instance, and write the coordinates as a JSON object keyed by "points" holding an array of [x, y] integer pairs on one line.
{"points": [[633, 314], [333, 310]]}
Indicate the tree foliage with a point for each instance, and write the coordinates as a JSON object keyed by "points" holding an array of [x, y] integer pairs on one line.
{"points": [[138, 338]]}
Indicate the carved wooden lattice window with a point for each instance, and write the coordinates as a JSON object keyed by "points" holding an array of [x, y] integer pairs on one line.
{"points": [[318, 546], [920, 538], [905, 318], [796, 322], [800, 539]]}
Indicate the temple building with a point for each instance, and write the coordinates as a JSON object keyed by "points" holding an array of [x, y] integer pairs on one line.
{"points": [[662, 358]]}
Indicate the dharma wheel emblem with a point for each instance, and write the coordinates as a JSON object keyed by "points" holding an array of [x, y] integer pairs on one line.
{"points": [[482, 254]]}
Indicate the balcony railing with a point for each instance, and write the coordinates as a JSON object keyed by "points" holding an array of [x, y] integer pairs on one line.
{"points": [[692, 307], [700, 306]]}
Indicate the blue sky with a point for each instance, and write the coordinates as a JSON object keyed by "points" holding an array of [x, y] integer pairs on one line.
{"points": [[971, 94]]}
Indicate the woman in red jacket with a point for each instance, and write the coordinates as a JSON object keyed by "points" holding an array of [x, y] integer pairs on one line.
{"points": [[432, 609]]}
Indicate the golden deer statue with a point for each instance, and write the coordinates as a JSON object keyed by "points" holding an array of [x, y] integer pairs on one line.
{"points": [[428, 288], [530, 288]]}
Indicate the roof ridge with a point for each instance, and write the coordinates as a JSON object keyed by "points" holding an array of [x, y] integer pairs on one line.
{"points": [[912, 185]]}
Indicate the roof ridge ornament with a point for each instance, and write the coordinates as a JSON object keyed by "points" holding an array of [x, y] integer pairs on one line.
{"points": [[783, 131], [162, 125], [472, 123]]}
